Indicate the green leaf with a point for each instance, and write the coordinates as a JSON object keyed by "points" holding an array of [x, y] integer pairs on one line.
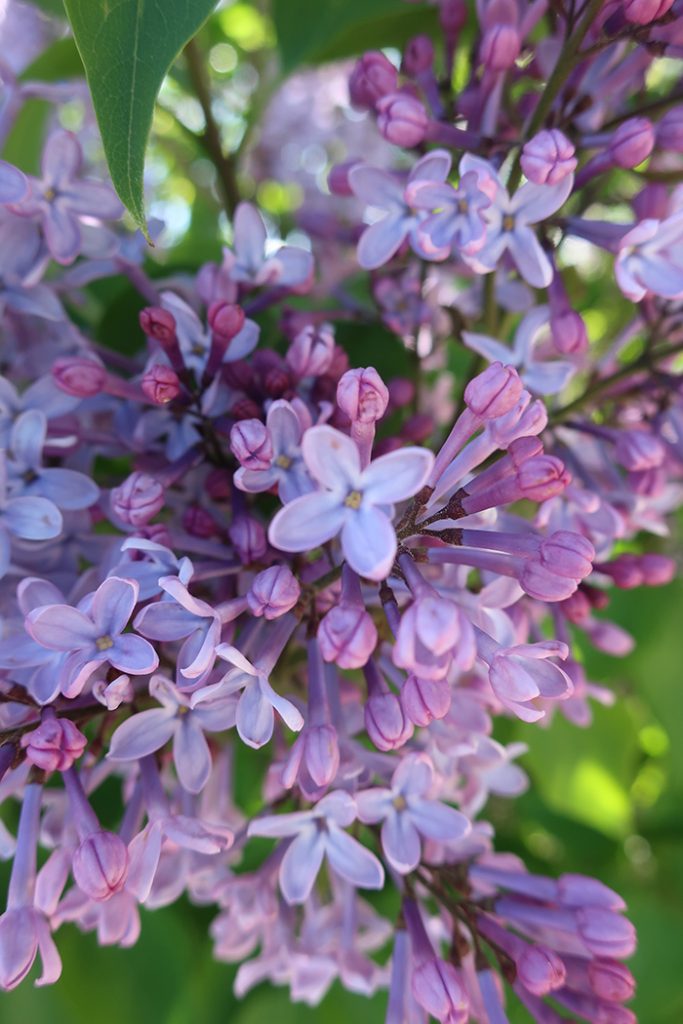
{"points": [[127, 47], [341, 28]]}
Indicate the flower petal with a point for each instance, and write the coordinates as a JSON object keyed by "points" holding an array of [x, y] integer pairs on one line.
{"points": [[351, 860], [369, 542], [396, 476], [401, 842], [307, 521], [331, 458], [142, 734], [191, 755], [301, 864]]}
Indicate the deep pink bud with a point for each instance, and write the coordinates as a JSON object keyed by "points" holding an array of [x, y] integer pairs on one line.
{"points": [[632, 142], [545, 585], [251, 444], [670, 131], [437, 990], [652, 202], [452, 16], [137, 499], [79, 376], [548, 157], [347, 635], [158, 323], [225, 319], [321, 753], [611, 980], [658, 570], [542, 477], [372, 77], [245, 409], [160, 384], [199, 522], [402, 119], [500, 47], [100, 865], [637, 450], [418, 56], [249, 538], [568, 554], [569, 332], [401, 392], [524, 448], [540, 970], [362, 395], [312, 351], [493, 392], [385, 721], [338, 178], [418, 428], [274, 592], [642, 12], [54, 745], [424, 700], [576, 607]]}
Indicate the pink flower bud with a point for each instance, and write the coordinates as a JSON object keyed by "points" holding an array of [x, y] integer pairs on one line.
{"points": [[524, 448], [418, 56], [372, 77], [402, 119], [452, 16], [225, 319], [670, 131], [569, 332], [249, 538], [312, 351], [338, 178], [424, 700], [199, 523], [576, 607], [568, 554], [611, 980], [362, 395], [637, 450], [540, 970], [137, 499], [386, 723], [54, 745], [347, 635], [542, 477], [548, 158], [643, 12], [658, 570], [500, 47], [418, 428], [493, 392], [321, 753], [652, 202], [100, 865], [274, 592], [632, 142], [160, 384], [605, 933], [158, 323], [542, 583], [245, 409], [79, 376], [437, 990], [401, 392], [251, 444]]}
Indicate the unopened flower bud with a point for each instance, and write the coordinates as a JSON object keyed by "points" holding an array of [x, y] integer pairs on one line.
{"points": [[652, 202], [576, 607], [225, 319], [401, 392], [160, 384], [605, 933], [362, 395], [312, 351], [437, 990], [386, 723], [158, 323], [632, 142], [548, 157], [542, 477], [452, 16], [670, 131], [569, 332], [251, 444], [568, 554], [199, 523], [424, 700], [338, 178], [611, 980], [643, 12], [658, 570], [540, 970], [54, 745], [249, 538], [321, 753], [79, 376], [637, 450], [245, 409], [402, 119], [274, 592], [100, 865], [373, 76], [347, 636], [524, 448], [418, 55], [493, 392], [137, 499], [500, 47]]}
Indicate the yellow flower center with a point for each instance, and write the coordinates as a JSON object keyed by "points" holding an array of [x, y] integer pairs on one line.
{"points": [[283, 461], [103, 643], [508, 222], [353, 499], [400, 803]]}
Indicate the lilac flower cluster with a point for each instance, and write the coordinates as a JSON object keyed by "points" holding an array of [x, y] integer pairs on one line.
{"points": [[230, 540]]}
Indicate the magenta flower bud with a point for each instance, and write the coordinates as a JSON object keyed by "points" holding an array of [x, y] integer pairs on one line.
{"points": [[79, 376], [568, 554], [362, 395], [670, 131], [637, 450], [569, 332], [100, 865], [418, 428], [658, 570], [54, 745], [611, 980], [321, 753], [137, 499], [542, 477], [251, 444], [424, 700], [524, 448], [625, 571], [540, 970], [338, 178], [160, 384], [199, 523], [418, 56], [249, 538], [274, 592], [401, 392], [385, 721], [643, 12], [545, 584], [437, 990], [493, 392], [225, 319], [548, 158], [652, 202], [576, 607], [632, 142], [500, 47], [452, 16], [158, 323], [605, 933], [245, 409], [402, 119], [577, 890], [372, 77], [347, 635], [312, 351]]}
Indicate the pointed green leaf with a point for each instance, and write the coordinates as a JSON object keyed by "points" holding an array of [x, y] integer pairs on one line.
{"points": [[127, 46]]}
